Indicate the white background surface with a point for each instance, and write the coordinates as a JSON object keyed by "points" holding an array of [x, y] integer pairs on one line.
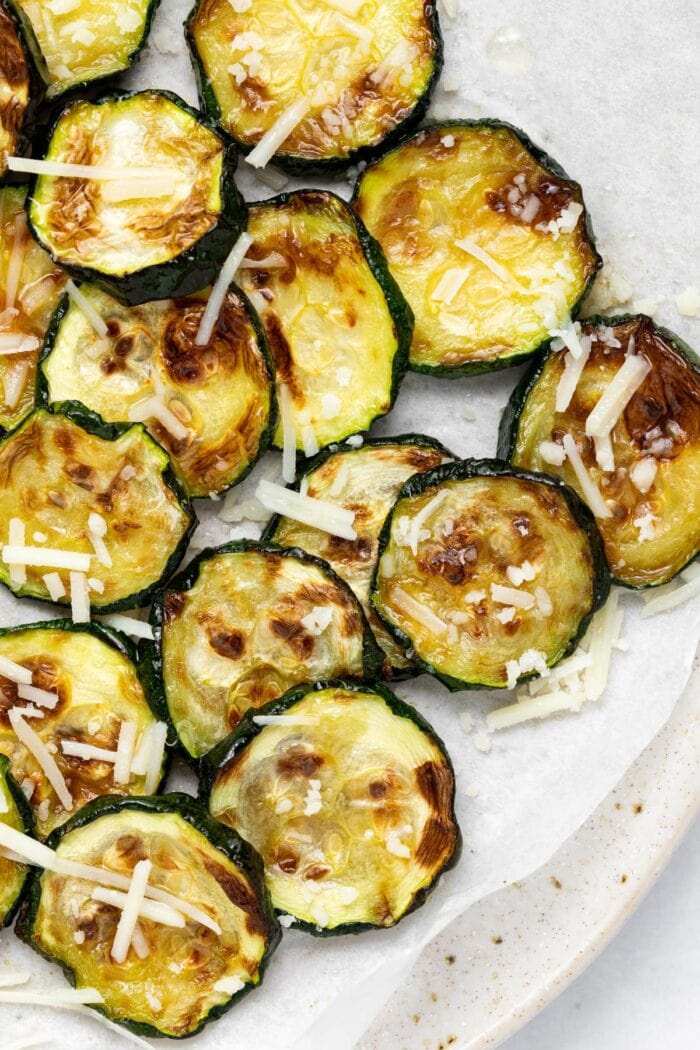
{"points": [[642, 991]]}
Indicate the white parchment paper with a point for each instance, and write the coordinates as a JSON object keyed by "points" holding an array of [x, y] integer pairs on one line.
{"points": [[539, 781]]}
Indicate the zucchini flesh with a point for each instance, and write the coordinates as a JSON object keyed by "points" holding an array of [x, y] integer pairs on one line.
{"points": [[253, 65], [54, 474], [231, 636], [222, 392], [659, 426], [484, 182], [98, 688], [14, 812], [366, 480], [90, 40], [173, 991], [352, 809], [342, 364], [38, 293], [15, 88], [470, 523], [139, 248]]}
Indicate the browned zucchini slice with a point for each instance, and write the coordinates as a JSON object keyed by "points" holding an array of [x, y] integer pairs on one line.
{"points": [[487, 238], [365, 480], [15, 812], [487, 573], [348, 795], [651, 484]]}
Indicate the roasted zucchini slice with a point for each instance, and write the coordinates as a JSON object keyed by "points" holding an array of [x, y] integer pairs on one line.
{"points": [[92, 672], [338, 327], [15, 812], [244, 623], [487, 238], [190, 975], [487, 573], [348, 795], [221, 395], [30, 286], [81, 41], [342, 89], [649, 476], [96, 500], [18, 83], [165, 227], [366, 480]]}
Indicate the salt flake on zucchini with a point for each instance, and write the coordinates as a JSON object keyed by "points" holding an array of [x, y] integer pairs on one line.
{"points": [[487, 238], [354, 812]]}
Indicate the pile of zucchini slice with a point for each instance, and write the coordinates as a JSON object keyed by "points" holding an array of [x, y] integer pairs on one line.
{"points": [[158, 335]]}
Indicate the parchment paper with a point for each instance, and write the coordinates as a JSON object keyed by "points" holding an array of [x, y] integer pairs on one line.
{"points": [[539, 781]]}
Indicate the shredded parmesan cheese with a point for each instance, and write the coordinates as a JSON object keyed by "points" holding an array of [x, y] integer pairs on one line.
{"points": [[418, 612], [163, 914], [573, 370], [155, 408], [125, 752], [159, 733], [617, 395], [602, 635], [16, 536], [289, 433], [87, 309], [132, 907], [472, 248], [591, 492], [59, 998], [317, 513], [278, 133], [511, 596], [15, 672], [643, 473], [395, 846], [45, 557], [320, 617], [39, 750], [129, 625], [604, 455], [229, 985], [216, 299], [675, 594], [79, 597], [285, 720], [533, 707], [16, 343], [421, 517], [449, 285], [37, 696]]}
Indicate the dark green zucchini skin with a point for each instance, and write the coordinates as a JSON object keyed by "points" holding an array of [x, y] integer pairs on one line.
{"points": [[94, 424], [152, 651], [195, 268], [25, 812], [104, 633], [310, 465], [542, 157], [510, 417], [223, 838], [37, 84], [494, 468], [37, 56], [335, 165], [227, 751]]}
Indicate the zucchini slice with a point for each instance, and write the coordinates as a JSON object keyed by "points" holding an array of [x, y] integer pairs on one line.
{"points": [[137, 247], [56, 471], [356, 83], [221, 394], [32, 283], [77, 43], [338, 327], [506, 563], [17, 86], [92, 672], [366, 480], [230, 635], [191, 974], [528, 256], [15, 812], [351, 808], [653, 487]]}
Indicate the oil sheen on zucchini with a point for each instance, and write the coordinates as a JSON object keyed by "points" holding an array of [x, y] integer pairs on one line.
{"points": [[191, 974], [138, 246], [352, 808], [527, 255], [338, 327], [653, 492], [58, 470], [15, 812], [230, 635], [460, 533], [92, 672], [366, 480], [16, 84], [79, 42], [221, 394], [364, 78], [30, 288]]}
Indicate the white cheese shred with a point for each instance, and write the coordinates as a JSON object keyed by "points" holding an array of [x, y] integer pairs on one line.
{"points": [[39, 750], [617, 395], [569, 380], [87, 309], [17, 537], [45, 558], [129, 625], [602, 635], [130, 914], [54, 585], [317, 513], [42, 697], [673, 595], [217, 296], [79, 597], [159, 734], [15, 672], [154, 407], [163, 914], [418, 612], [498, 269], [289, 433], [422, 516], [125, 752], [591, 492], [278, 133]]}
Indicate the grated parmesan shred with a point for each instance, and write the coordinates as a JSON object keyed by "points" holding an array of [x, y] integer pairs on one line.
{"points": [[218, 293]]}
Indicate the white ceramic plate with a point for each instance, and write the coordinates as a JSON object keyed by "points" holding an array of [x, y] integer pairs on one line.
{"points": [[506, 958]]}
